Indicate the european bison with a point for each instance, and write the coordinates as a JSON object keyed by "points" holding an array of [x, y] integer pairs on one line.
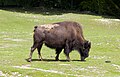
{"points": [[65, 35]]}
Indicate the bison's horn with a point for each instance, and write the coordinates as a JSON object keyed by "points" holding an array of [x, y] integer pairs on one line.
{"points": [[89, 43]]}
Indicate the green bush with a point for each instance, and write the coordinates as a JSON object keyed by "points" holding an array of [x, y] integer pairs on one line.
{"points": [[107, 7]]}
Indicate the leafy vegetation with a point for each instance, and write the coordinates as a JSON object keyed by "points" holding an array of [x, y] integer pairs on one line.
{"points": [[104, 7], [16, 30]]}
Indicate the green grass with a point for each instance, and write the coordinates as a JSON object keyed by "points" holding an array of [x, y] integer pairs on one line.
{"points": [[16, 31]]}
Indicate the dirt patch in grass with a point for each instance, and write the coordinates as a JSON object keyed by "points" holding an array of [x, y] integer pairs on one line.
{"points": [[117, 67], [2, 74], [16, 40], [8, 45], [13, 74], [107, 20], [44, 70]]}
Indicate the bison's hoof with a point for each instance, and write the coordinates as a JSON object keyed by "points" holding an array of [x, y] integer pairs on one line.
{"points": [[29, 60], [68, 60], [83, 60], [40, 59], [56, 59]]}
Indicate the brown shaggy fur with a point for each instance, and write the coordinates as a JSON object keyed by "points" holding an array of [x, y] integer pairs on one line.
{"points": [[65, 35]]}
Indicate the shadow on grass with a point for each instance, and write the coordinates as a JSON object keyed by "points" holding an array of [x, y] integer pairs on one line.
{"points": [[53, 60]]}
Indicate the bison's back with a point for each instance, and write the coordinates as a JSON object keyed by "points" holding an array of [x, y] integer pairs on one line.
{"points": [[56, 37], [57, 33], [73, 28]]}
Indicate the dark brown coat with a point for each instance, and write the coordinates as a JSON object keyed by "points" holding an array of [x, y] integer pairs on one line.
{"points": [[65, 35]]}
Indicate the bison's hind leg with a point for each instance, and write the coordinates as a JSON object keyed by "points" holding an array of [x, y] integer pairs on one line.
{"points": [[35, 45], [39, 49]]}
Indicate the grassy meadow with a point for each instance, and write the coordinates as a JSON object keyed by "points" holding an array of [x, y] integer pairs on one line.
{"points": [[16, 30]]}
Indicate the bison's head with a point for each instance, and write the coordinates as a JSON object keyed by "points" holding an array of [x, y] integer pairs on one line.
{"points": [[87, 46]]}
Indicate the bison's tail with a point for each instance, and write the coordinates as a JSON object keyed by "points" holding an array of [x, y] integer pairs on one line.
{"points": [[35, 28]]}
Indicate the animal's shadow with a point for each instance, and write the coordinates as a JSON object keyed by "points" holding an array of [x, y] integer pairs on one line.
{"points": [[53, 60]]}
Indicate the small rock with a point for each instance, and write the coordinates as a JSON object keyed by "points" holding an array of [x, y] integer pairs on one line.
{"points": [[107, 61]]}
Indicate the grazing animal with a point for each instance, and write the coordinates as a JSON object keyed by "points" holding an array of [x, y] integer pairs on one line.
{"points": [[67, 35]]}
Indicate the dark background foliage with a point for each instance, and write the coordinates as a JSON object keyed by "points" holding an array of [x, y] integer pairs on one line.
{"points": [[103, 7]]}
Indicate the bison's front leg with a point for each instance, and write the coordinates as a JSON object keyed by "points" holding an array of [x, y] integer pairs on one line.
{"points": [[82, 54], [58, 51], [67, 51], [67, 54]]}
